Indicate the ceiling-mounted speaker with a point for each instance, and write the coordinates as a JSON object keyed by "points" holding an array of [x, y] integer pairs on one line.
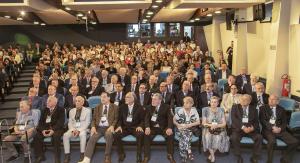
{"points": [[259, 12], [229, 19]]}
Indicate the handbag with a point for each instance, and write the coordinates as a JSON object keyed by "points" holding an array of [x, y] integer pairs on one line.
{"points": [[215, 131]]}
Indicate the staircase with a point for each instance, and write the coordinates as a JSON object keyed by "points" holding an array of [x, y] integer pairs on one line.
{"points": [[19, 90]]}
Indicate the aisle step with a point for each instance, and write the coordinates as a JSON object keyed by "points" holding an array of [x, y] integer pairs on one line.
{"points": [[19, 90]]}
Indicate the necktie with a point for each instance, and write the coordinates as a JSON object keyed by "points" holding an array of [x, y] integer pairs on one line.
{"points": [[191, 87], [274, 112], [74, 100], [170, 88], [118, 96], [113, 88], [259, 101], [142, 99], [164, 96], [244, 112], [132, 88], [105, 110]]}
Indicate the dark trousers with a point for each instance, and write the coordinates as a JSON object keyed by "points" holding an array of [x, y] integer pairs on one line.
{"points": [[291, 142], [158, 131], [128, 131], [38, 143], [236, 138]]}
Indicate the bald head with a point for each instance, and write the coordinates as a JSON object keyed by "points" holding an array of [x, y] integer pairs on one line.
{"points": [[273, 100]]}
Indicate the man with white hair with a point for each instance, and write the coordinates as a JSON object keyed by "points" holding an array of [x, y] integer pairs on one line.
{"points": [[78, 124], [249, 88], [259, 97], [51, 124]]}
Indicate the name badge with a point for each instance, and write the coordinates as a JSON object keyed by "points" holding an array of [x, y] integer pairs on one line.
{"points": [[245, 120], [272, 121], [22, 127], [116, 103], [129, 119], [87, 86], [103, 118], [77, 124], [48, 119], [245, 82], [154, 118], [208, 102]]}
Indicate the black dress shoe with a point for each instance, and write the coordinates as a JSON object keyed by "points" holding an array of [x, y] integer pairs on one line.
{"points": [[122, 157], [171, 158], [12, 158]]}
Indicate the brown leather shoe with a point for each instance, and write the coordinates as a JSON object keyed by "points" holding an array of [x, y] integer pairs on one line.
{"points": [[171, 158], [107, 159], [146, 160]]}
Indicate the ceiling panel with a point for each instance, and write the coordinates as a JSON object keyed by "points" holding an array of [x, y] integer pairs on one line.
{"points": [[173, 15], [118, 16], [4, 21], [57, 17]]}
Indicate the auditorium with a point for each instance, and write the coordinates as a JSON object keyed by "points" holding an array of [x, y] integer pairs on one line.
{"points": [[148, 81]]}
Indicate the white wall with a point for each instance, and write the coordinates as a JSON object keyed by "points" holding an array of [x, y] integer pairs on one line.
{"points": [[294, 58], [208, 36], [226, 37]]}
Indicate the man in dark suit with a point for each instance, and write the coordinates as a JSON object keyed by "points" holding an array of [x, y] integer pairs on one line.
{"points": [[167, 97], [242, 79], [103, 77], [131, 122], [118, 97], [186, 37], [274, 126], [95, 89], [158, 121], [38, 85], [59, 88], [152, 84], [52, 92], [179, 95], [171, 86], [231, 81], [143, 97], [86, 81], [249, 88], [123, 77], [194, 84], [204, 97], [134, 86], [259, 98], [35, 101], [50, 125], [223, 73], [245, 124]]}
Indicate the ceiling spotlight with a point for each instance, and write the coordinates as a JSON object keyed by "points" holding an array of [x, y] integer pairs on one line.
{"points": [[218, 12], [93, 22], [158, 1], [89, 12], [148, 16], [144, 20], [149, 13], [36, 22], [19, 18], [84, 17], [68, 8], [154, 6], [22, 13], [209, 15], [43, 24], [79, 14], [7, 16], [192, 21], [197, 19]]}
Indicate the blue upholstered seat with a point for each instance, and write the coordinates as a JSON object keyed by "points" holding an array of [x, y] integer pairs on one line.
{"points": [[287, 103], [94, 101]]}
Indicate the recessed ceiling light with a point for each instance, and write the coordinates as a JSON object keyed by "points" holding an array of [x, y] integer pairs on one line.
{"points": [[79, 14], [43, 24], [144, 20], [197, 19], [93, 22], [68, 8], [148, 16], [209, 15], [149, 13], [84, 17], [154, 6], [22, 13], [19, 18], [7, 16], [36, 22], [192, 20], [218, 12], [89, 12], [158, 1]]}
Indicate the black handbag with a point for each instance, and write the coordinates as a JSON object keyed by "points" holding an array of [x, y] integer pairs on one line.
{"points": [[215, 131]]}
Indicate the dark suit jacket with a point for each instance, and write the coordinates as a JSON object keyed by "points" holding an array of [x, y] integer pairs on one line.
{"points": [[239, 80], [101, 80], [247, 89], [60, 100], [113, 114], [42, 89], [114, 95], [203, 101], [69, 103], [179, 95], [154, 88], [57, 120], [37, 102], [168, 99], [138, 116], [85, 84], [164, 118], [147, 99], [97, 91], [219, 74], [237, 116], [265, 114], [227, 88], [175, 88], [126, 80], [136, 89], [254, 100]]}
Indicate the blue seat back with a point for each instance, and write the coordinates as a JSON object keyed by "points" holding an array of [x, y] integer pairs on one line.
{"points": [[221, 83], [163, 75], [295, 120], [94, 101], [287, 103]]}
